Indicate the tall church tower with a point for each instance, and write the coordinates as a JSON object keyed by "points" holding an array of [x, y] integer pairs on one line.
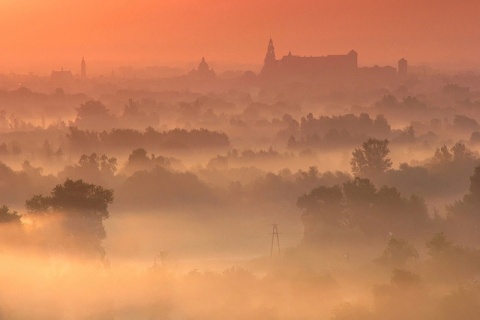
{"points": [[270, 60], [83, 69], [270, 56]]}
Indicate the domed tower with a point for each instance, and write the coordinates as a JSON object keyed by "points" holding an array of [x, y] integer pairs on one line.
{"points": [[203, 67], [203, 71]]}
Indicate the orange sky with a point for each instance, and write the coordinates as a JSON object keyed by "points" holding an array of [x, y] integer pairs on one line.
{"points": [[41, 35]]}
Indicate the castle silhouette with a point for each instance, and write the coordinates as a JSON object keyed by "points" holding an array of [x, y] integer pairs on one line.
{"points": [[333, 67]]}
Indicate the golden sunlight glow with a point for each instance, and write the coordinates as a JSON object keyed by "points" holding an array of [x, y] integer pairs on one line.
{"points": [[165, 32]]}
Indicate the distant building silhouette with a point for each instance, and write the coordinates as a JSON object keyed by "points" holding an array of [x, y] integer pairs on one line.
{"points": [[291, 65], [338, 68], [203, 71], [402, 68], [270, 61], [377, 73], [83, 69], [61, 77]]}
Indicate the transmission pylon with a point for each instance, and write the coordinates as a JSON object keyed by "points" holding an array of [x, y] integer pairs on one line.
{"points": [[275, 235], [162, 255]]}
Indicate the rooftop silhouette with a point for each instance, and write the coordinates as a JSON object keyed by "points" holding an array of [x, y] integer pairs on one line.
{"points": [[203, 71], [329, 66]]}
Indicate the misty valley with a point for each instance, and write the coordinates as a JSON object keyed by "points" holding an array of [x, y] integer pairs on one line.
{"points": [[312, 189]]}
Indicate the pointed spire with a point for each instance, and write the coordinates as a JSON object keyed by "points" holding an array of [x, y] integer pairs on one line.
{"points": [[83, 69], [270, 56]]}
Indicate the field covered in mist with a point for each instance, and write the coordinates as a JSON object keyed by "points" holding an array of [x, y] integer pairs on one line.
{"points": [[145, 198]]}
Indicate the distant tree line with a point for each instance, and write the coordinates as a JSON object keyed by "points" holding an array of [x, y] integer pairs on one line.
{"points": [[337, 131], [357, 204], [128, 139]]}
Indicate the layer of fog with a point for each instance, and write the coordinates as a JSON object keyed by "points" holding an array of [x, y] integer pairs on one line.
{"points": [[200, 176]]}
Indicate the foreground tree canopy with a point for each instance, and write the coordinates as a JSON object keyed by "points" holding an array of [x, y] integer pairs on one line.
{"points": [[81, 207]]}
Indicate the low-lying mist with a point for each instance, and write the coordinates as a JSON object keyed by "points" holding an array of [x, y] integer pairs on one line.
{"points": [[240, 196]]}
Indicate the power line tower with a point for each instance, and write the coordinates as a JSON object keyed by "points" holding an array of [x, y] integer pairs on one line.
{"points": [[162, 255], [275, 234]]}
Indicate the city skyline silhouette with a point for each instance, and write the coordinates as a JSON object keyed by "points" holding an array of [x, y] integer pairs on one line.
{"points": [[113, 34]]}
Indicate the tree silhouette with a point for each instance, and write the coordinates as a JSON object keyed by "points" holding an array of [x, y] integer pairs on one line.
{"points": [[463, 216], [459, 155], [82, 207], [371, 159], [438, 245], [94, 114], [103, 163], [357, 204], [397, 253], [451, 262], [322, 203], [7, 216], [442, 155], [474, 195]]}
